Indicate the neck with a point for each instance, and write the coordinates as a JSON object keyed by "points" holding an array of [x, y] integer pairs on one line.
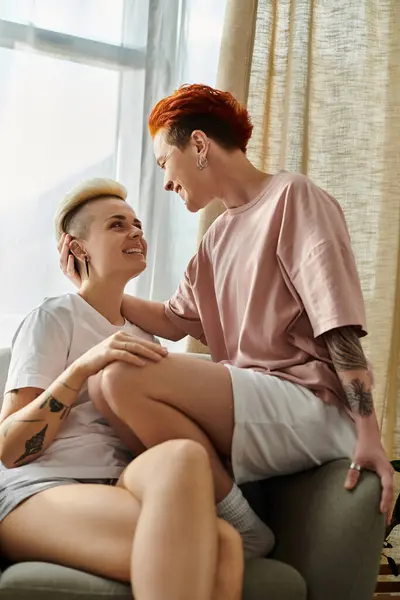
{"points": [[240, 181], [105, 297]]}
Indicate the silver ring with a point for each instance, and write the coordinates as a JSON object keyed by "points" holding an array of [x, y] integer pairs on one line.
{"points": [[355, 466]]}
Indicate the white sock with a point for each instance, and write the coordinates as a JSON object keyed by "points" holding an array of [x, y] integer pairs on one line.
{"points": [[258, 539]]}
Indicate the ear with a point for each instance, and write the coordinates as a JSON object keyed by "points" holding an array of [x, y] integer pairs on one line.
{"points": [[200, 142], [77, 250]]}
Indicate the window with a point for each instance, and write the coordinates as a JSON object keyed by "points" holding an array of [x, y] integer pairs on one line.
{"points": [[77, 80], [99, 20]]}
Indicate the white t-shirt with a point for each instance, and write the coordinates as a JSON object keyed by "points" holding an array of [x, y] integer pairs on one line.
{"points": [[50, 339]]}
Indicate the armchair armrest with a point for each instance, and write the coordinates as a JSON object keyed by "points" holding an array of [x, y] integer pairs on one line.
{"points": [[333, 537]]}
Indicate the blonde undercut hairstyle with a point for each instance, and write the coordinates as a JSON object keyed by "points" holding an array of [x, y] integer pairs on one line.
{"points": [[67, 217]]}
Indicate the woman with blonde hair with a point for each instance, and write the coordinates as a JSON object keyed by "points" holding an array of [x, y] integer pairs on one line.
{"points": [[69, 492]]}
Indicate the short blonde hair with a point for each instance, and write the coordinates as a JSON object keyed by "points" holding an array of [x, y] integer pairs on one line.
{"points": [[94, 189]]}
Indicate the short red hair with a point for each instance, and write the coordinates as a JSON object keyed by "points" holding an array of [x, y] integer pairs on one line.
{"points": [[198, 106]]}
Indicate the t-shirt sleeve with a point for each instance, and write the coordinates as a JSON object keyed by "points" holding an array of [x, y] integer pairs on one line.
{"points": [[182, 309], [315, 251], [39, 352]]}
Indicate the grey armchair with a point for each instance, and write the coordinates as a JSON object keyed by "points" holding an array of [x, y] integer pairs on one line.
{"points": [[328, 544]]}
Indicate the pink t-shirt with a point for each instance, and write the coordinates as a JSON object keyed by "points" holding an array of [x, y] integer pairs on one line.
{"points": [[268, 279]]}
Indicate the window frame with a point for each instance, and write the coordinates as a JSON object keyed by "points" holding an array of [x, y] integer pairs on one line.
{"points": [[18, 36]]}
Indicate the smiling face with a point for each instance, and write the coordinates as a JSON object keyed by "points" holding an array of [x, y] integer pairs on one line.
{"points": [[182, 173], [113, 240]]}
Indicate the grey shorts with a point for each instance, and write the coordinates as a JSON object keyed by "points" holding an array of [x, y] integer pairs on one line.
{"points": [[19, 491]]}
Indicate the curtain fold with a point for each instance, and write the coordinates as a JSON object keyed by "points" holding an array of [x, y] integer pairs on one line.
{"points": [[322, 84], [324, 95]]}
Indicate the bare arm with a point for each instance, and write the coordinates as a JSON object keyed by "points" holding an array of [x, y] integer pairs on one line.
{"points": [[31, 418], [150, 316], [351, 365]]}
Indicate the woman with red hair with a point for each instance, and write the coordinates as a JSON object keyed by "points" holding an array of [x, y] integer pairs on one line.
{"points": [[274, 292]]}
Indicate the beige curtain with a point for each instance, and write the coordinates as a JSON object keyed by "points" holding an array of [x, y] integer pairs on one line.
{"points": [[321, 79], [324, 95]]}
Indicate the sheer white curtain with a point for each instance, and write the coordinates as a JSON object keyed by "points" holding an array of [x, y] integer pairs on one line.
{"points": [[77, 81]]}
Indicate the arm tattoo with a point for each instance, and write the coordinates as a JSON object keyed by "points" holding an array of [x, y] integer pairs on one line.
{"points": [[65, 412], [345, 349], [55, 406], [69, 387], [359, 398], [347, 355], [34, 445]]}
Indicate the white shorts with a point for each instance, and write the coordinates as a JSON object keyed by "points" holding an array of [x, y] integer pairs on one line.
{"points": [[282, 428]]}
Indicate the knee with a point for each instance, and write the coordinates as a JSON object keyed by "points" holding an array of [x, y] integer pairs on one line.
{"points": [[112, 384], [188, 460], [95, 390]]}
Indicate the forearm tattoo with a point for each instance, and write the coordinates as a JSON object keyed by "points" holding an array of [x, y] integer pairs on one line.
{"points": [[345, 349], [347, 355], [55, 406], [34, 445], [69, 387], [359, 398]]}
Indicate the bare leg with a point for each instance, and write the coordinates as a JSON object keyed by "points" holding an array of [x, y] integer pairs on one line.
{"points": [[184, 397], [182, 566], [121, 395], [124, 432], [201, 390], [229, 578], [84, 526], [157, 423], [91, 527]]}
